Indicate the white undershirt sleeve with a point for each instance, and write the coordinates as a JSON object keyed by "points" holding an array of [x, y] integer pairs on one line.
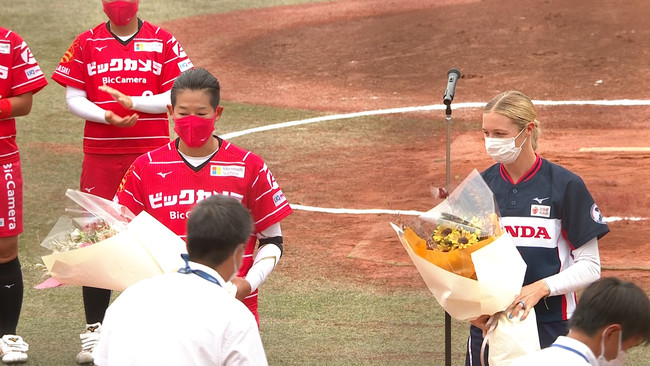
{"points": [[265, 259], [80, 106], [584, 270], [152, 104]]}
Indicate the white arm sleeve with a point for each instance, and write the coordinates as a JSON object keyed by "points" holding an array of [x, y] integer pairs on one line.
{"points": [[152, 104], [80, 106], [585, 270], [265, 259]]}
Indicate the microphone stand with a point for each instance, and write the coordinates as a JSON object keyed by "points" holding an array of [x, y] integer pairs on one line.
{"points": [[447, 187]]}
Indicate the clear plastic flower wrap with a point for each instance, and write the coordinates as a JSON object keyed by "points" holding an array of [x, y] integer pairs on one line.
{"points": [[103, 244], [470, 266]]}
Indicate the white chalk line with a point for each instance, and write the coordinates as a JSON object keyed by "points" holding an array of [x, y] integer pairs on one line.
{"points": [[375, 211], [227, 136]]}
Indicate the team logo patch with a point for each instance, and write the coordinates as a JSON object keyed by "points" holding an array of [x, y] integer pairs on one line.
{"points": [[148, 47], [33, 72], [227, 171], [279, 198], [2, 222], [540, 211], [5, 48], [69, 54], [596, 215]]}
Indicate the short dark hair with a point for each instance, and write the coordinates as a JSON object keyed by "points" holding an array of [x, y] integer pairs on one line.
{"points": [[216, 226], [612, 301], [197, 79]]}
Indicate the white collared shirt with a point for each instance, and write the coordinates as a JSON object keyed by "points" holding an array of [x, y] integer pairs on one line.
{"points": [[564, 351], [179, 319]]}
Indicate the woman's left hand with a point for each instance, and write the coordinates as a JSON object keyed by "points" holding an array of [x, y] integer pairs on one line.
{"points": [[528, 297]]}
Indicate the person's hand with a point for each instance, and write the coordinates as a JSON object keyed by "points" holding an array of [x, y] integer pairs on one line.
{"points": [[481, 323], [529, 297], [119, 97], [118, 121], [243, 287]]}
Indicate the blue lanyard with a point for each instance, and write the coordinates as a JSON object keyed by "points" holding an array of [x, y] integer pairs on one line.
{"points": [[198, 272], [571, 350]]}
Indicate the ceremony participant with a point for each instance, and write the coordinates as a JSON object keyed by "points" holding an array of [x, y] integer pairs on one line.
{"points": [[117, 78], [168, 181], [550, 214], [611, 317], [20, 79], [188, 317]]}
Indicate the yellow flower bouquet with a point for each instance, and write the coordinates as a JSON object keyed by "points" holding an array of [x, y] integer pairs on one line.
{"points": [[471, 267]]}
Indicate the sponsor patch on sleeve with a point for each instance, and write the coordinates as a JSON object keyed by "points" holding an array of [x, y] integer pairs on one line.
{"points": [[33, 72], [185, 65], [278, 198], [5, 48], [227, 171]]}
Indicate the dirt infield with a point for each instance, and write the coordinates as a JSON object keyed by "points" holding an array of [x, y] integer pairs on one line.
{"points": [[358, 55]]}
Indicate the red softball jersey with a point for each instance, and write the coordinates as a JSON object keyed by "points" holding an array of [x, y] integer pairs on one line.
{"points": [[19, 74], [146, 64], [163, 184]]}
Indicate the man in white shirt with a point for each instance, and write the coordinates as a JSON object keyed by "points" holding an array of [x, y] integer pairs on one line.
{"points": [[188, 318], [611, 316]]}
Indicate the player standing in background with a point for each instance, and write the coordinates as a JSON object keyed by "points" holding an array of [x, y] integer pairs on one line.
{"points": [[550, 215], [124, 55], [170, 180], [20, 79]]}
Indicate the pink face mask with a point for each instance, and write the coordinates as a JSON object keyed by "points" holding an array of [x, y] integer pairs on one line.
{"points": [[121, 12], [194, 130]]}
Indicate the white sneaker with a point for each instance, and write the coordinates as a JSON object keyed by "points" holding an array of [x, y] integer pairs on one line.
{"points": [[89, 340], [13, 349]]}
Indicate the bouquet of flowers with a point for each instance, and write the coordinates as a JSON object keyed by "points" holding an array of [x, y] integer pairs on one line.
{"points": [[105, 245], [470, 266], [93, 220]]}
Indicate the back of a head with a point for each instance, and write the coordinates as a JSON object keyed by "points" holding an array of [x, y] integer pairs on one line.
{"points": [[197, 79], [612, 301], [216, 226]]}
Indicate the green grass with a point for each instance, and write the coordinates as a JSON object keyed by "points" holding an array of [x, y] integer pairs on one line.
{"points": [[313, 321]]}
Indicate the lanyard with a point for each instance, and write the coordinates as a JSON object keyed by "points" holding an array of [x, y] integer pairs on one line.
{"points": [[198, 272], [570, 350]]}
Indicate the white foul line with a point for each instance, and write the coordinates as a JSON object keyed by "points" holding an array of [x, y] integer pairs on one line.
{"points": [[434, 107]]}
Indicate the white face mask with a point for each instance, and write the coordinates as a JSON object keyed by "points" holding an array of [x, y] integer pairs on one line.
{"points": [[236, 265], [620, 357], [503, 150]]}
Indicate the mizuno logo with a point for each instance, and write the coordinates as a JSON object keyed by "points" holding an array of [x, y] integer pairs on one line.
{"points": [[89, 189], [540, 200], [99, 49], [163, 174], [10, 286]]}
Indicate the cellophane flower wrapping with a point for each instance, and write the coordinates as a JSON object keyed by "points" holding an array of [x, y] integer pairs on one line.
{"points": [[103, 244], [92, 219], [471, 267]]}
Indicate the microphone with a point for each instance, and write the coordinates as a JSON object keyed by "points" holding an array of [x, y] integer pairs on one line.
{"points": [[452, 78]]}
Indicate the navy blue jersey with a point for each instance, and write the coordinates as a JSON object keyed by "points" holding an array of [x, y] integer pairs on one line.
{"points": [[548, 213]]}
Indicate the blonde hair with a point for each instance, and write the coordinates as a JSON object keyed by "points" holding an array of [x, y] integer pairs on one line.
{"points": [[518, 108]]}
